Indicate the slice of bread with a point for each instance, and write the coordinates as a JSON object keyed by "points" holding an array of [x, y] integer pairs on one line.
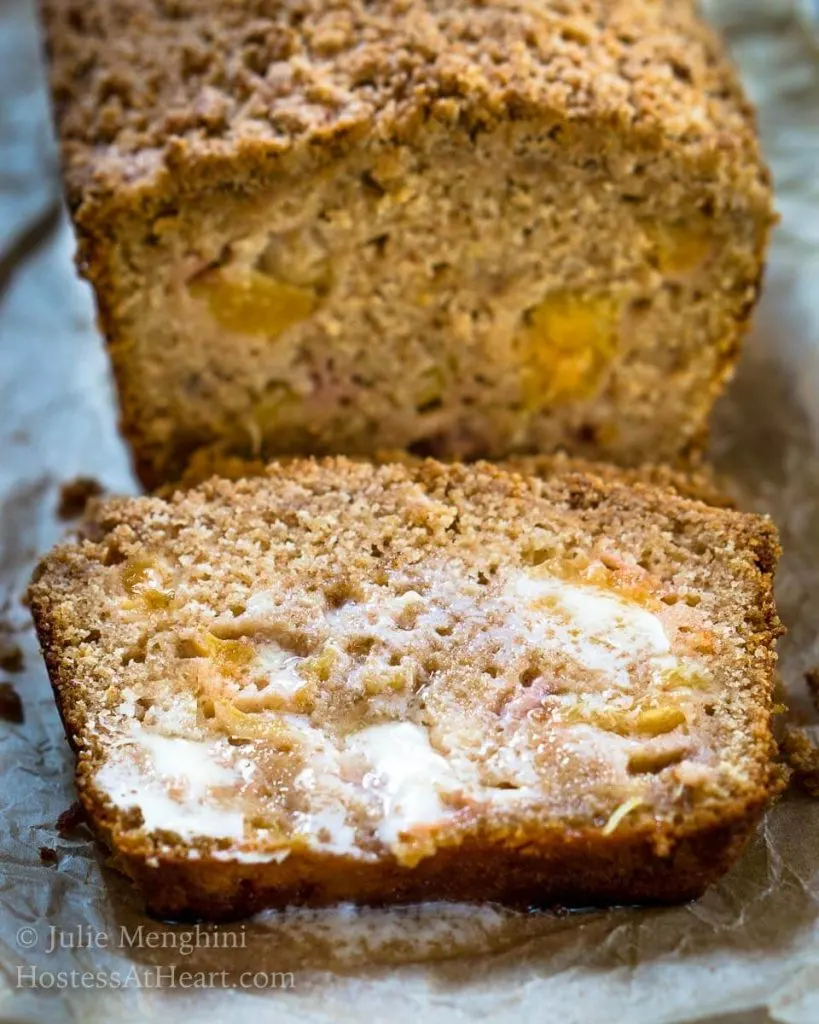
{"points": [[338, 681], [462, 229]]}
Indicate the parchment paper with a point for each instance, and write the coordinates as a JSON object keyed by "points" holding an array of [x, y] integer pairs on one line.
{"points": [[747, 952]]}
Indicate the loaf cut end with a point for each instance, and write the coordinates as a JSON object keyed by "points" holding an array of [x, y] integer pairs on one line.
{"points": [[411, 241]]}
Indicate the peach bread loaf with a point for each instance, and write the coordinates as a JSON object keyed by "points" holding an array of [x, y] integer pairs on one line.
{"points": [[463, 229]]}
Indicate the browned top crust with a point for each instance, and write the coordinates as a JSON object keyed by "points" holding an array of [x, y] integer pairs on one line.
{"points": [[698, 481], [154, 97]]}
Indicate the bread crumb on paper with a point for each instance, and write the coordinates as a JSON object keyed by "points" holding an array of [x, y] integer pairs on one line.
{"points": [[75, 495], [11, 707], [802, 757], [70, 820], [812, 681], [11, 656]]}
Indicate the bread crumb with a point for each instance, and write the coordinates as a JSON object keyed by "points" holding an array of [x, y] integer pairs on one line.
{"points": [[70, 820], [11, 656], [75, 495], [812, 680], [802, 757], [11, 707], [48, 856]]}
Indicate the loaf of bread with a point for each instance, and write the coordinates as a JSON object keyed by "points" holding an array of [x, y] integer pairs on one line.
{"points": [[462, 229], [338, 682]]}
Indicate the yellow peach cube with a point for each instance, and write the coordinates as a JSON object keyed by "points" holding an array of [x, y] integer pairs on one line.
{"points": [[569, 340], [656, 721], [252, 302], [681, 248]]}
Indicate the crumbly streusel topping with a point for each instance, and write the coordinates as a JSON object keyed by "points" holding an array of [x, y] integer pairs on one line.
{"points": [[144, 83]]}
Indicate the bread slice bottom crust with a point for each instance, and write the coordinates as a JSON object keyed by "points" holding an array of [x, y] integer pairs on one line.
{"points": [[546, 871]]}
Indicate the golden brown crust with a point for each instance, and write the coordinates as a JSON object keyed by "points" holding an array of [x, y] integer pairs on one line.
{"points": [[565, 869], [191, 89], [698, 481], [531, 862]]}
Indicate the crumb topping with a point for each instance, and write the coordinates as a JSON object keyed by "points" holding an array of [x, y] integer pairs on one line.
{"points": [[218, 79]]}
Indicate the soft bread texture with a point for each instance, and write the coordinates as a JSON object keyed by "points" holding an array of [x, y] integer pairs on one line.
{"points": [[460, 229], [338, 681]]}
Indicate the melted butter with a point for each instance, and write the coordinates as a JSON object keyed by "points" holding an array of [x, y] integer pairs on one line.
{"points": [[603, 631], [280, 669], [173, 782], [189, 761], [406, 775], [597, 614], [324, 820], [251, 856], [194, 813], [386, 784], [327, 828]]}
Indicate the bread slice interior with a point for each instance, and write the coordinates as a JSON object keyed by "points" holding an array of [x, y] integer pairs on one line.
{"points": [[340, 681]]}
